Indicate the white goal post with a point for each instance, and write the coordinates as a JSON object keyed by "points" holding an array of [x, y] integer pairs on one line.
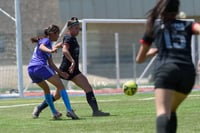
{"points": [[19, 62]]}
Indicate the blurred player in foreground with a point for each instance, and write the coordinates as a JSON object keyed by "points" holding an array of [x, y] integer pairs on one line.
{"points": [[174, 72], [42, 68], [70, 64]]}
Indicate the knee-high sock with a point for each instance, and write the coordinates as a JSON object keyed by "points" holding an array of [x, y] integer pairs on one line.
{"points": [[173, 123], [44, 104], [162, 124], [66, 100], [49, 101], [92, 101]]}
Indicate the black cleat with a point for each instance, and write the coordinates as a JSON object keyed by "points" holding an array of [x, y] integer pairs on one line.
{"points": [[72, 115], [36, 112], [100, 113], [57, 116]]}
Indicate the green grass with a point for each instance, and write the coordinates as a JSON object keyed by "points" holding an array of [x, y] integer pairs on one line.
{"points": [[129, 114]]}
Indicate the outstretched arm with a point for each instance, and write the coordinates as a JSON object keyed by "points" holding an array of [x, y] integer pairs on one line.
{"points": [[51, 63], [45, 49], [58, 45]]}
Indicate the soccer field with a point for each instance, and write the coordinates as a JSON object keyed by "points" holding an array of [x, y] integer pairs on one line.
{"points": [[129, 114]]}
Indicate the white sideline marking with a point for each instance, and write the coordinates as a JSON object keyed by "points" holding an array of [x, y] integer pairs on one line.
{"points": [[151, 98], [113, 100], [146, 99], [194, 95], [17, 105], [23, 105]]}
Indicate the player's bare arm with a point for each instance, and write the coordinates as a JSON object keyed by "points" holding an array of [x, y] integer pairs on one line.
{"points": [[51, 63], [58, 45], [69, 57], [45, 49]]}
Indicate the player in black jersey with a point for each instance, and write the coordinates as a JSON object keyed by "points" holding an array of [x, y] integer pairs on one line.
{"points": [[70, 64], [174, 72]]}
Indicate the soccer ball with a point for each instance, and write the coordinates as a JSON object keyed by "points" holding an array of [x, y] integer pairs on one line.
{"points": [[130, 88]]}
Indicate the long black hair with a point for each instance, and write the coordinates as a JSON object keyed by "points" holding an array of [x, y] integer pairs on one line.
{"points": [[163, 10]]}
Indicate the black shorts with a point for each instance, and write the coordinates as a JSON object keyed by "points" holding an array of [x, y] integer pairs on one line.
{"points": [[71, 75], [177, 77]]}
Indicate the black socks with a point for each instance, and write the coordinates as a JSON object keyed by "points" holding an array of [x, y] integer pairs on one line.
{"points": [[162, 124], [92, 101], [173, 123], [166, 125]]}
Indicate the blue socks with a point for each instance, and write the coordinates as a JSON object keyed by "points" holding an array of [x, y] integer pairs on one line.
{"points": [[49, 100], [66, 100], [44, 104]]}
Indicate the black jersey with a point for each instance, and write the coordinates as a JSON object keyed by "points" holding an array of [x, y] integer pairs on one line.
{"points": [[74, 51], [173, 40]]}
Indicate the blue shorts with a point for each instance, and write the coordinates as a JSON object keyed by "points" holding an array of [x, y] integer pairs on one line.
{"points": [[40, 73]]}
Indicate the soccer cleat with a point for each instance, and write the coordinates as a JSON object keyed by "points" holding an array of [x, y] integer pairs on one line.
{"points": [[100, 113], [57, 115], [72, 115], [36, 112]]}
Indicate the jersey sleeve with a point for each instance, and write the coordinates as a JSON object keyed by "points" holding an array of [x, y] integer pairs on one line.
{"points": [[66, 39], [47, 43], [146, 40]]}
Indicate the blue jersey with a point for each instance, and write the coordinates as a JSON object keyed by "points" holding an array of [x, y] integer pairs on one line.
{"points": [[39, 58]]}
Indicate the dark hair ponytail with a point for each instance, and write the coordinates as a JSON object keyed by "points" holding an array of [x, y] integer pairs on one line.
{"points": [[162, 9], [39, 35], [44, 33]]}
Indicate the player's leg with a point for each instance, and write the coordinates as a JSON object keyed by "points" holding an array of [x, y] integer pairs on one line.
{"points": [[55, 80], [185, 86], [167, 102], [81, 81], [49, 99], [38, 109], [163, 100], [38, 75], [177, 100]]}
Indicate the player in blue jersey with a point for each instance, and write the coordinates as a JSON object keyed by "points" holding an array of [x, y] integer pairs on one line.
{"points": [[70, 64], [174, 70], [41, 68]]}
